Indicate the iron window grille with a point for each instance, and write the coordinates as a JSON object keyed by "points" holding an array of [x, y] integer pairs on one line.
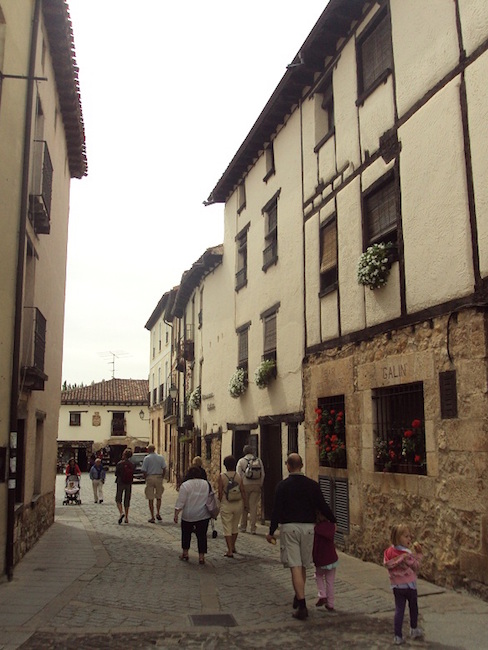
{"points": [[331, 431], [399, 446]]}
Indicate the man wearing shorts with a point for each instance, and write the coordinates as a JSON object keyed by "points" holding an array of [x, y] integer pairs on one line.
{"points": [[297, 501], [154, 469]]}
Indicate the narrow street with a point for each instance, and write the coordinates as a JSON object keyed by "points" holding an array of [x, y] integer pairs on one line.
{"points": [[91, 582]]}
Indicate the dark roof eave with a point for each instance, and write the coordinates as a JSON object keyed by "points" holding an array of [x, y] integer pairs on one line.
{"points": [[192, 278], [332, 24]]}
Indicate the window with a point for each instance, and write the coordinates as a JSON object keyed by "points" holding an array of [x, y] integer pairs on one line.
{"points": [[241, 273], [269, 318], [243, 347], [374, 55], [118, 423], [74, 419], [269, 160], [331, 431], [293, 438], [399, 429], [241, 198], [380, 205], [328, 256], [270, 253], [324, 115]]}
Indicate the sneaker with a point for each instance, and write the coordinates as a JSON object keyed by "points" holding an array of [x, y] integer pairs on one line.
{"points": [[320, 602], [159, 518], [416, 633], [398, 640], [101, 501]]}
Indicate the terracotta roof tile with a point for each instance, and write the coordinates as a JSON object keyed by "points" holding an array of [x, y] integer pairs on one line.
{"points": [[114, 391]]}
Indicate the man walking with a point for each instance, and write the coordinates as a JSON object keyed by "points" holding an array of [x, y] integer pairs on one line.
{"points": [[297, 501], [97, 476], [154, 469], [251, 470]]}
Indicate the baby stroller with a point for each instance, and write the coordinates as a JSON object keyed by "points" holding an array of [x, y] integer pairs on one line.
{"points": [[72, 490]]}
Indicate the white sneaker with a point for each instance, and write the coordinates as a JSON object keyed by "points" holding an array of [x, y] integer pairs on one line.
{"points": [[398, 640], [416, 633]]}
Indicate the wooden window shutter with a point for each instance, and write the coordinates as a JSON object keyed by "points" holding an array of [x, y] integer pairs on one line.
{"points": [[270, 333], [328, 246], [381, 211], [448, 394], [243, 347]]}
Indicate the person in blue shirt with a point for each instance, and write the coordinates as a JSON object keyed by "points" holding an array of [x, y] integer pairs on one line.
{"points": [[97, 476]]}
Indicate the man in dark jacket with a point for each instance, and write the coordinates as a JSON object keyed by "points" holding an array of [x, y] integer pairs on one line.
{"points": [[297, 501]]}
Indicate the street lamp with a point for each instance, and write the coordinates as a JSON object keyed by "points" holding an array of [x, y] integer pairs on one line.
{"points": [[173, 391], [141, 415]]}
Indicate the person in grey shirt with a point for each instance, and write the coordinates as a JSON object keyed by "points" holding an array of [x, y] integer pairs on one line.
{"points": [[154, 469]]}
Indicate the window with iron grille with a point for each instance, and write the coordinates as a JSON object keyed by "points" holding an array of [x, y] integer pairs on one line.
{"points": [[330, 427], [328, 256], [374, 54], [270, 252], [118, 424], [380, 205], [399, 429]]}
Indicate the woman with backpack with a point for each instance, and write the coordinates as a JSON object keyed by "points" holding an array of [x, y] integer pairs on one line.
{"points": [[124, 475], [232, 500]]}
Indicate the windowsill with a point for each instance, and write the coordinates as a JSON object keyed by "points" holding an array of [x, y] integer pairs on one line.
{"points": [[379, 81], [270, 263], [268, 175], [240, 286], [328, 290], [35, 499], [241, 208], [323, 140]]}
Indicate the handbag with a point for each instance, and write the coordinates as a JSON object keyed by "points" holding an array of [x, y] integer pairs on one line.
{"points": [[212, 503]]}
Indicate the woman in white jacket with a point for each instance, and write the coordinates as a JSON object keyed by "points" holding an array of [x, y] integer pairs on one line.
{"points": [[191, 502]]}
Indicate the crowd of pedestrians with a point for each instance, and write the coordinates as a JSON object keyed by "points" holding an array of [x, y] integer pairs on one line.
{"points": [[305, 521]]}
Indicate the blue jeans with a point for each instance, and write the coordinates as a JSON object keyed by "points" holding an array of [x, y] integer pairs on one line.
{"points": [[402, 596]]}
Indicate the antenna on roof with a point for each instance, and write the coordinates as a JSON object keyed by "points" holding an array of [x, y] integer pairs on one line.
{"points": [[115, 355]]}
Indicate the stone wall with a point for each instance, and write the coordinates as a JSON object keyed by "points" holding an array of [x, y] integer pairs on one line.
{"points": [[447, 508], [31, 521]]}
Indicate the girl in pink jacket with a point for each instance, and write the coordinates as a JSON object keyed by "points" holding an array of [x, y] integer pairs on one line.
{"points": [[403, 565]]}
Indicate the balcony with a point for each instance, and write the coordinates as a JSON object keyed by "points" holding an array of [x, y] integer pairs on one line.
{"points": [[41, 193], [33, 376], [170, 409], [270, 255]]}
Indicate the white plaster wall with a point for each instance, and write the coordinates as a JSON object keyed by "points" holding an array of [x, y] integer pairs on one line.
{"points": [[376, 116], [434, 203], [425, 46], [476, 76], [345, 111], [312, 279], [329, 316], [350, 248], [474, 23], [327, 160], [310, 175], [136, 428]]}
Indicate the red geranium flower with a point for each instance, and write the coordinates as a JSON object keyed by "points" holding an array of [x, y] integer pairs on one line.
{"points": [[417, 459], [408, 433], [330, 423], [416, 424]]}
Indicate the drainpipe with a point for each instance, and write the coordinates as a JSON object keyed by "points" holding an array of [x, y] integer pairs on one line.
{"points": [[19, 295]]}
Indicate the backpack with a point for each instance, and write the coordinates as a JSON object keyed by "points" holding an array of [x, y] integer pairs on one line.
{"points": [[127, 472], [253, 469], [233, 489]]}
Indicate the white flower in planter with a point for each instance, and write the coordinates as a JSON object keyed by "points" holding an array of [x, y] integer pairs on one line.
{"points": [[195, 398], [238, 383], [264, 373], [374, 265]]}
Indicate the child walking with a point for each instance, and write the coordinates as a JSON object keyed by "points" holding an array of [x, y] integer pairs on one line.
{"points": [[403, 565], [326, 560]]}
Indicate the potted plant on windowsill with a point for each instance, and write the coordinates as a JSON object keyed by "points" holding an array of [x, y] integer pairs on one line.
{"points": [[374, 265], [331, 437], [264, 373], [238, 383]]}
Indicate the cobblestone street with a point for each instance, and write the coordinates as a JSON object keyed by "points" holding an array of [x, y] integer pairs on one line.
{"points": [[110, 585]]}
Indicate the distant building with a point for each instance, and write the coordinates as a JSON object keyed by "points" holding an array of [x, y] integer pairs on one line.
{"points": [[43, 144], [105, 418]]}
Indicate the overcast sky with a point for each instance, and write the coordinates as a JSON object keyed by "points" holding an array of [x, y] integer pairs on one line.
{"points": [[169, 91]]}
